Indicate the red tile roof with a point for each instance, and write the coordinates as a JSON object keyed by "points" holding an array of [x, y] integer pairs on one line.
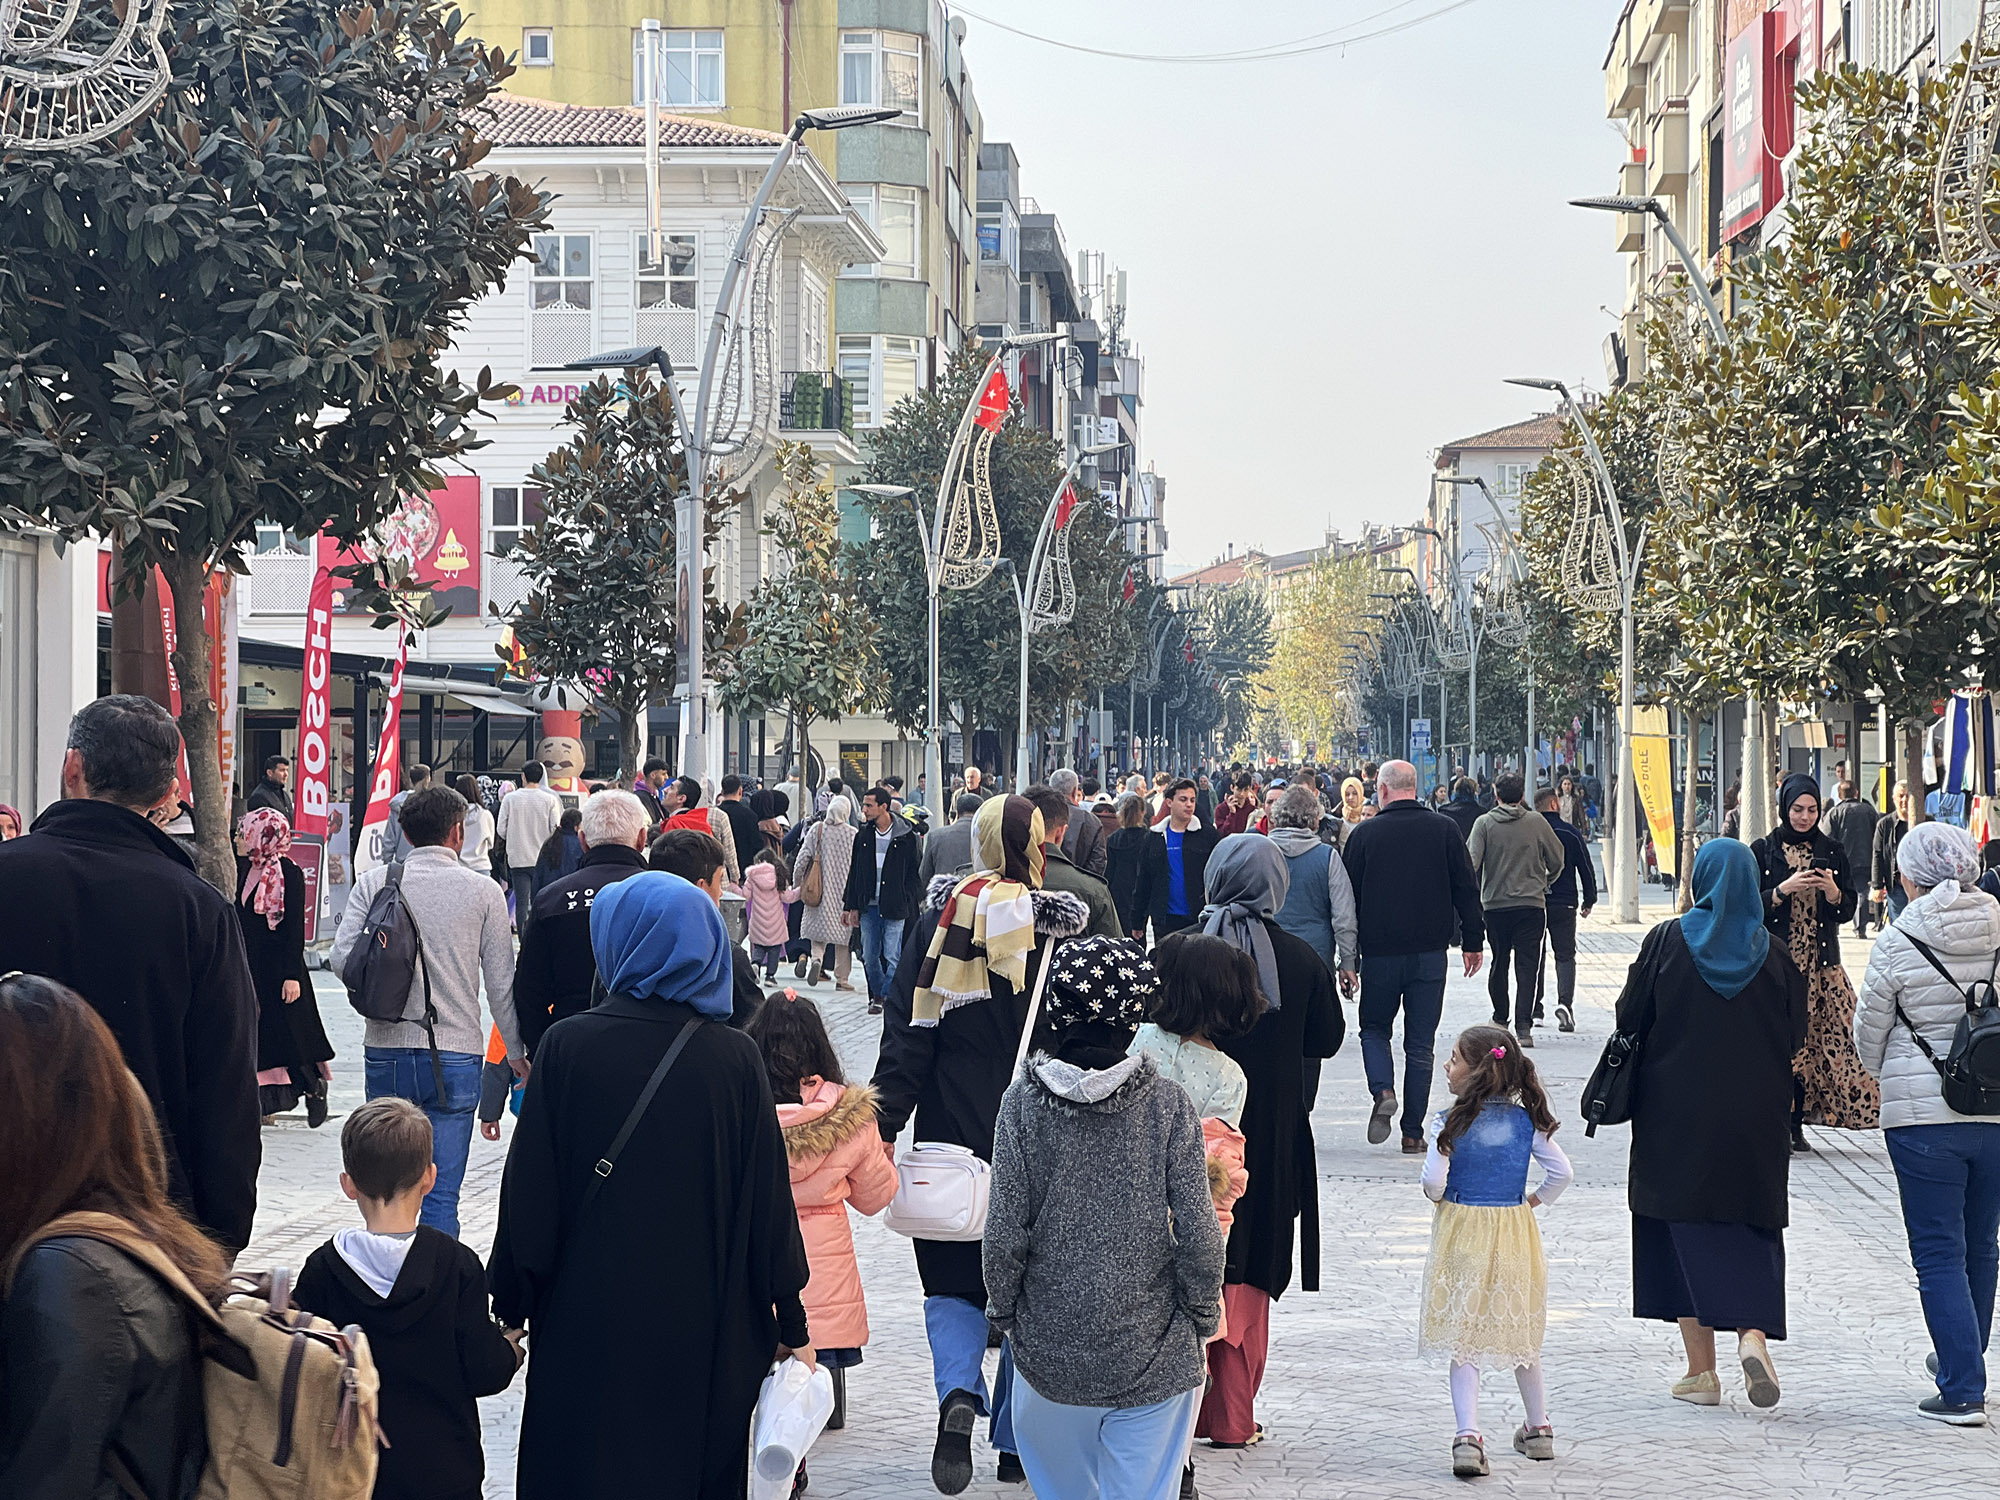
{"points": [[1542, 433], [517, 120], [1219, 574]]}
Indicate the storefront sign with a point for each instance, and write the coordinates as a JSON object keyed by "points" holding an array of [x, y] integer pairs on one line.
{"points": [[544, 395], [388, 767], [439, 537], [1752, 182], [315, 749]]}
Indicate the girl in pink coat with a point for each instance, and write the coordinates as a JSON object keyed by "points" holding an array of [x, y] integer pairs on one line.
{"points": [[764, 882], [836, 1159]]}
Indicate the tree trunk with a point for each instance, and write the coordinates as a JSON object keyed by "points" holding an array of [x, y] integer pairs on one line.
{"points": [[804, 722], [631, 739], [1691, 722], [1913, 770], [215, 855]]}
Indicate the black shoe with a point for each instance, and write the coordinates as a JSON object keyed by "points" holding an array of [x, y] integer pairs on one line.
{"points": [[1800, 1145], [951, 1459], [1957, 1413], [799, 1481], [1415, 1145], [1378, 1117], [1539, 1014], [316, 1106], [1011, 1471], [1525, 1038], [874, 1007], [1565, 1018], [1188, 1491], [799, 969]]}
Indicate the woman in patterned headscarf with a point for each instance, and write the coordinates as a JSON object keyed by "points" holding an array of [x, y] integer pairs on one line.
{"points": [[292, 1049], [950, 1029]]}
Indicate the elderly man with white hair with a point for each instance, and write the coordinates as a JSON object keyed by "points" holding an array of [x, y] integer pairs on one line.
{"points": [[1083, 835], [556, 972], [1936, 958]]}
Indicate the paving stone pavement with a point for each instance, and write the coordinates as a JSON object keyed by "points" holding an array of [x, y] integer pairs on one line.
{"points": [[1349, 1408]]}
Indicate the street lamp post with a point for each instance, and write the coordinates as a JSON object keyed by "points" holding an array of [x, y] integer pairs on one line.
{"points": [[1625, 861], [700, 444]]}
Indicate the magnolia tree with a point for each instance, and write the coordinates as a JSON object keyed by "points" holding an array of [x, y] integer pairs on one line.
{"points": [[238, 309]]}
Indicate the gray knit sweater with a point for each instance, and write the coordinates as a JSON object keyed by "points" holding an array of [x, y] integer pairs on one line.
{"points": [[1103, 1256]]}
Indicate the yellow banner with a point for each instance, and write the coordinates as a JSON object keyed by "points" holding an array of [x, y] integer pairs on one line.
{"points": [[1653, 776]]}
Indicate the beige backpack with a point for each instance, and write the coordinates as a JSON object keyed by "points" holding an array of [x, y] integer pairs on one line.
{"points": [[290, 1399]]}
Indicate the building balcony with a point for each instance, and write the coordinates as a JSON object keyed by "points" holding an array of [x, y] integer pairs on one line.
{"points": [[1667, 151], [815, 401], [1631, 228], [280, 583]]}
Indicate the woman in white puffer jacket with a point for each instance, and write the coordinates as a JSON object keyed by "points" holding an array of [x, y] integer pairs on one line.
{"points": [[1947, 1164]]}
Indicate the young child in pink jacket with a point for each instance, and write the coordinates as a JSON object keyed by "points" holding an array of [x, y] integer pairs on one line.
{"points": [[764, 882], [837, 1160]]}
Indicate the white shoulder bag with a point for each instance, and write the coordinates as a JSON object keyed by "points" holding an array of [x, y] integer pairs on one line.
{"points": [[942, 1190]]}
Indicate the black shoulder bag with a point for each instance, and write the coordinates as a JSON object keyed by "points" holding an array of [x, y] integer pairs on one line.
{"points": [[1970, 1070], [1609, 1095]]}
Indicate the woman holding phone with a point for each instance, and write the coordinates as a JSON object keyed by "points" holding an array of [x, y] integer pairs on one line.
{"points": [[1809, 892]]}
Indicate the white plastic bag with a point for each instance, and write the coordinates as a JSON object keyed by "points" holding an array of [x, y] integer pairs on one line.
{"points": [[792, 1409]]}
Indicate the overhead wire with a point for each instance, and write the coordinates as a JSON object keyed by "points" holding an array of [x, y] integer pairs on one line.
{"points": [[1299, 47]]}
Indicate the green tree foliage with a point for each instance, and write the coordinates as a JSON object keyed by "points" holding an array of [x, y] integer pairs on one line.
{"points": [[237, 310], [602, 607], [810, 645], [1237, 644], [1310, 700]]}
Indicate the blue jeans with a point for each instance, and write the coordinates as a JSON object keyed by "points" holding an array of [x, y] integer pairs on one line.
{"points": [[881, 948], [405, 1073], [1414, 984], [1950, 1181], [957, 1333], [1120, 1453]]}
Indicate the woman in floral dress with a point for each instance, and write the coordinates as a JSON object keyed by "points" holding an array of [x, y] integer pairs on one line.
{"points": [[1809, 892]]}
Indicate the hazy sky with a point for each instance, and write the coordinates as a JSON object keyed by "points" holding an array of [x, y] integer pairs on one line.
{"points": [[1334, 259]]}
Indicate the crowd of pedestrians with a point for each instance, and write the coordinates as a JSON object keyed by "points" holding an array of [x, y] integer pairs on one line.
{"points": [[1103, 1010]]}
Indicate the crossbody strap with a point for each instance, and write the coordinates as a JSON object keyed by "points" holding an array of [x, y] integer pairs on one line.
{"points": [[394, 881], [610, 1158], [1911, 1026], [1034, 1007]]}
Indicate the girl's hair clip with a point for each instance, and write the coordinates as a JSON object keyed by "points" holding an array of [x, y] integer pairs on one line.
{"points": [[789, 993], [1498, 1052]]}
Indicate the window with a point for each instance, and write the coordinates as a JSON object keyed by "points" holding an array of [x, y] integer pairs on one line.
{"points": [[538, 47], [883, 67], [895, 215], [664, 296], [272, 537], [856, 357], [688, 71], [561, 292], [812, 323], [1508, 477], [901, 371], [516, 510]]}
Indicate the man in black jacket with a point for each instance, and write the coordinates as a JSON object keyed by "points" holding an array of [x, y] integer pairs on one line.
{"points": [[1563, 908], [882, 888], [1886, 878], [557, 971], [1850, 823], [1172, 887], [1463, 809], [96, 897], [271, 790], [1411, 876]]}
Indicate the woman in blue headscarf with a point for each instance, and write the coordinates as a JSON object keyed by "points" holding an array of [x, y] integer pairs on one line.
{"points": [[655, 1295], [1718, 1010]]}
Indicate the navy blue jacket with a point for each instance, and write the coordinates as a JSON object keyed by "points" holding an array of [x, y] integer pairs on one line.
{"points": [[1576, 866]]}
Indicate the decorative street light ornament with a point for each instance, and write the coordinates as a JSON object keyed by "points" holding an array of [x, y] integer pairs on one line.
{"points": [[1055, 587], [740, 428], [1671, 466], [1589, 571], [77, 71], [1960, 193], [971, 545]]}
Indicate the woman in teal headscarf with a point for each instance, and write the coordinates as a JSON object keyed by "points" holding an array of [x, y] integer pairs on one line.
{"points": [[656, 1295], [1718, 1009]]}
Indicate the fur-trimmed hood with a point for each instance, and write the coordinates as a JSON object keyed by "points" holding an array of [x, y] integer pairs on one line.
{"points": [[829, 1116], [1057, 913]]}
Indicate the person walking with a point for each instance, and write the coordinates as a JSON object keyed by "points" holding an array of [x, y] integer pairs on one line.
{"points": [[273, 788], [1717, 1011], [1572, 896], [1809, 893], [1934, 960], [1485, 1298], [477, 855], [97, 898], [395, 847], [1103, 1257], [1319, 901], [1573, 806], [1232, 814], [1889, 832], [101, 1366], [1058, 874], [697, 1218], [1353, 807], [765, 910], [1517, 857], [1464, 809], [881, 889], [950, 1032], [560, 851], [528, 815], [556, 974], [828, 847], [744, 837], [1083, 835], [462, 919], [1124, 853], [1850, 823], [11, 824], [1412, 882], [1170, 891], [948, 850], [1247, 884], [292, 1049]]}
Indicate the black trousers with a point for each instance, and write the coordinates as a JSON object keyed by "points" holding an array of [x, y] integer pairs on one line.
{"points": [[1562, 943], [1514, 933]]}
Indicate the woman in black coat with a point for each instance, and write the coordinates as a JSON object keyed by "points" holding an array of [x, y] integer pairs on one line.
{"points": [[1718, 1010], [655, 1296], [292, 1049], [1809, 893], [1248, 879], [1124, 852]]}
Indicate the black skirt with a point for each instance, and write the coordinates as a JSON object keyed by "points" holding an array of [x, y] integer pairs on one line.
{"points": [[1728, 1276]]}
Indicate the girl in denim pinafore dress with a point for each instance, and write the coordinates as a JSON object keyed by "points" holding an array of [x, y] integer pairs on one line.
{"points": [[1485, 1284]]}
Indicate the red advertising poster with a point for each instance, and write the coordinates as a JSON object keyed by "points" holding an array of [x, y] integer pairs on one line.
{"points": [[315, 750], [388, 767], [1751, 180], [439, 535]]}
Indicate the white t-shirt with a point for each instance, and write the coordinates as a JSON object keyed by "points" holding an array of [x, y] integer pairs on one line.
{"points": [[882, 838]]}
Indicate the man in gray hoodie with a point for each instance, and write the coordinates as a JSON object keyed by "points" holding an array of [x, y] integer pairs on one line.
{"points": [[1517, 857]]}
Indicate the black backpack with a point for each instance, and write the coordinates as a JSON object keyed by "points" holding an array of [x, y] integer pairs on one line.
{"points": [[384, 961], [1970, 1071]]}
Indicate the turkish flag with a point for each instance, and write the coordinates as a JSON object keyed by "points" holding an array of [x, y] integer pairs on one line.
{"points": [[1066, 506], [992, 402], [1131, 588]]}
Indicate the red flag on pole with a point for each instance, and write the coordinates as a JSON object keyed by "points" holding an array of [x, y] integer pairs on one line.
{"points": [[1187, 650], [388, 767], [1130, 589], [1066, 506], [992, 402]]}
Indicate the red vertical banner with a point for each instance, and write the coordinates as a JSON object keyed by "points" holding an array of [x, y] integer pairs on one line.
{"points": [[315, 748], [388, 767], [170, 638]]}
